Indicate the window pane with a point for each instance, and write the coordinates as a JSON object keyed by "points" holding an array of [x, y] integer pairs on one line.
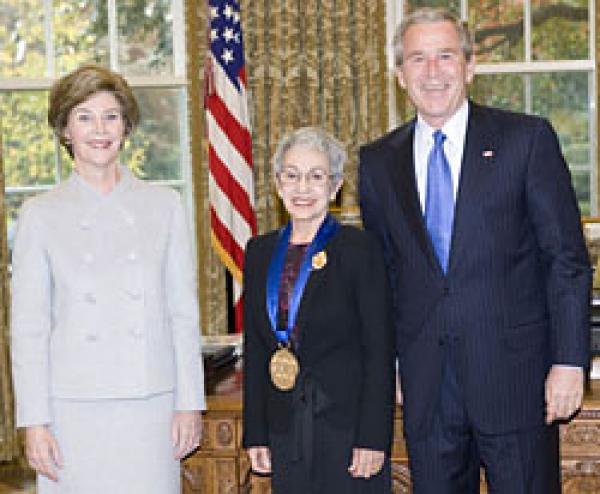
{"points": [[145, 37], [560, 31], [65, 162], [13, 203], [28, 141], [500, 90], [22, 43], [563, 98], [80, 33], [497, 27], [581, 182], [452, 5], [154, 149]]}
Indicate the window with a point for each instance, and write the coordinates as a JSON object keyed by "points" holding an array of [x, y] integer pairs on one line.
{"points": [[538, 57], [43, 39]]}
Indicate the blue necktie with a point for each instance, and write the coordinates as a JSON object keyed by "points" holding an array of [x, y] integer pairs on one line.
{"points": [[439, 201]]}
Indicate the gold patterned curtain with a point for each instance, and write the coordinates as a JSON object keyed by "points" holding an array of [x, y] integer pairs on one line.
{"points": [[597, 45], [8, 443], [308, 62]]}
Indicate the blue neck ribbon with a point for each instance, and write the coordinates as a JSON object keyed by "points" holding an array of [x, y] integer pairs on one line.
{"points": [[327, 229]]}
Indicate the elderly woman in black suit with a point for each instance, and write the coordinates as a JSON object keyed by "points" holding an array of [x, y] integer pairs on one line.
{"points": [[318, 349]]}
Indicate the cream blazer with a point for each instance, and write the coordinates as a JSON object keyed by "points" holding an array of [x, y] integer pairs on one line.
{"points": [[104, 301]]}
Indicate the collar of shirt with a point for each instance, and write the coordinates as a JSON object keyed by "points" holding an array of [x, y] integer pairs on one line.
{"points": [[455, 129]]}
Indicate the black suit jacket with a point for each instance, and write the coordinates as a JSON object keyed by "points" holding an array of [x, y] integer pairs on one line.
{"points": [[346, 342], [517, 290]]}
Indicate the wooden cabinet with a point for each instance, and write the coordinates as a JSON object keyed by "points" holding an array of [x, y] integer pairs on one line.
{"points": [[220, 466], [580, 448], [215, 467]]}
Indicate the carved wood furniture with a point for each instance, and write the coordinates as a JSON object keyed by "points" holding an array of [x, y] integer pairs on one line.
{"points": [[221, 467]]}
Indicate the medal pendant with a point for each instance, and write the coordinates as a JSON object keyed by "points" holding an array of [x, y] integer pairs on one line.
{"points": [[284, 369]]}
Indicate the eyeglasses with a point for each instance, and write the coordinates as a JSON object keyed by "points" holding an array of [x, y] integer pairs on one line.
{"points": [[314, 176]]}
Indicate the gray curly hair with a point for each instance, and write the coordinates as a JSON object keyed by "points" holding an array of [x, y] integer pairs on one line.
{"points": [[317, 139]]}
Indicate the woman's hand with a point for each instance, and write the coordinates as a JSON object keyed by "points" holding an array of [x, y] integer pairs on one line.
{"points": [[42, 451], [186, 432], [366, 462], [260, 459]]}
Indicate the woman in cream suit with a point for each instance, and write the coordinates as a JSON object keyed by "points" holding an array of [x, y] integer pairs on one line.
{"points": [[105, 333]]}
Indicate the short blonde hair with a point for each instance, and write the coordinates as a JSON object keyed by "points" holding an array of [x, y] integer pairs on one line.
{"points": [[79, 85]]}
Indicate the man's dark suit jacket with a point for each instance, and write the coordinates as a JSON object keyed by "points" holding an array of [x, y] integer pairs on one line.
{"points": [[515, 298], [346, 342]]}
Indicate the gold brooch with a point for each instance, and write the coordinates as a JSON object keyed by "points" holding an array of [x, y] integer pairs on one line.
{"points": [[319, 260]]}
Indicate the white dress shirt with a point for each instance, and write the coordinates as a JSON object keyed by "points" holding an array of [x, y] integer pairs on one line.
{"points": [[455, 130]]}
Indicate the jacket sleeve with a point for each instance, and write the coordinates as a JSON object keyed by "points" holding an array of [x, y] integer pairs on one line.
{"points": [[552, 207], [372, 214], [370, 209], [377, 397], [31, 320], [183, 313], [256, 357]]}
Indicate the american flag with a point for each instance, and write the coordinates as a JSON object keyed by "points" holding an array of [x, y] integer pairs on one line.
{"points": [[231, 182]]}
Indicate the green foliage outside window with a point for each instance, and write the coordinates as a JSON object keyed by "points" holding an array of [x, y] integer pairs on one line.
{"points": [[559, 32], [32, 158]]}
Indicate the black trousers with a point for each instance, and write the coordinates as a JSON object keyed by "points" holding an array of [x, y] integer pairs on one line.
{"points": [[448, 459]]}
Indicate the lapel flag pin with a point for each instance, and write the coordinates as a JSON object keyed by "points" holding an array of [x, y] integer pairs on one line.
{"points": [[488, 153]]}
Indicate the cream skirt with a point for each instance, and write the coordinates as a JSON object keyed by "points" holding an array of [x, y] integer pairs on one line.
{"points": [[114, 447]]}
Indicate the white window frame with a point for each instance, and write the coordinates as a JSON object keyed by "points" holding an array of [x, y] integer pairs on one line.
{"points": [[177, 80], [395, 10]]}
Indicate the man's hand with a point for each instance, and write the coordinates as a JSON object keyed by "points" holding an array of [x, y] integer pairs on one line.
{"points": [[564, 392], [42, 451], [366, 462], [186, 432], [260, 459]]}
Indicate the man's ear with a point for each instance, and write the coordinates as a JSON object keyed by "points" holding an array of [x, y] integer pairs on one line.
{"points": [[470, 69], [400, 78]]}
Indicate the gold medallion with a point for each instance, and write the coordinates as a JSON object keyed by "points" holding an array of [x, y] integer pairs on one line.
{"points": [[284, 369], [319, 260]]}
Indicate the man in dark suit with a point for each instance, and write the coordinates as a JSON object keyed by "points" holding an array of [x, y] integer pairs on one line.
{"points": [[490, 276]]}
